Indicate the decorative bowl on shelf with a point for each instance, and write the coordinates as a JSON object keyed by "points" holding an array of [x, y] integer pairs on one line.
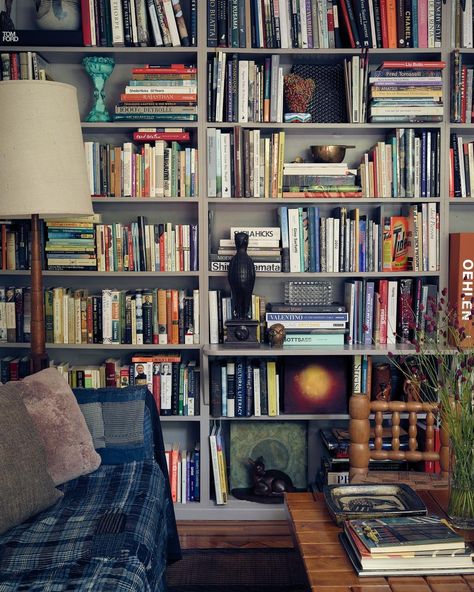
{"points": [[329, 153]]}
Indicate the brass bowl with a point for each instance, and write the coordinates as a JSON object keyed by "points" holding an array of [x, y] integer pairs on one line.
{"points": [[328, 153]]}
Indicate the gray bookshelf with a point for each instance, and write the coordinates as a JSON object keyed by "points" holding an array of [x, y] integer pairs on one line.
{"points": [[455, 215]]}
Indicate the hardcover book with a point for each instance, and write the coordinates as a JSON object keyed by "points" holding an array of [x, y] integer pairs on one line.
{"points": [[461, 249]]}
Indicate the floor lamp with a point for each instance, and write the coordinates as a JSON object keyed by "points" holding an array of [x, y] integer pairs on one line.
{"points": [[42, 172]]}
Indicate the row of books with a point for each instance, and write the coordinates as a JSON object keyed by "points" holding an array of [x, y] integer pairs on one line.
{"points": [[461, 17], [13, 368], [324, 23], [240, 90], [23, 65], [162, 169], [387, 311], [219, 464], [77, 244], [461, 89], [244, 163], [403, 91], [406, 164], [146, 316], [147, 247], [461, 167], [108, 23], [15, 245], [184, 472], [351, 242], [159, 93], [244, 387]]}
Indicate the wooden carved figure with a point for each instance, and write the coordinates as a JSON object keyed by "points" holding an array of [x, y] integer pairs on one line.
{"points": [[271, 483], [241, 277]]}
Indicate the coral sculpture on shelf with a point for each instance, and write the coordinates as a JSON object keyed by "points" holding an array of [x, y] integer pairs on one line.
{"points": [[298, 92]]}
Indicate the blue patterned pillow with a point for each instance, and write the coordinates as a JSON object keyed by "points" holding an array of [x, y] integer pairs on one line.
{"points": [[120, 422]]}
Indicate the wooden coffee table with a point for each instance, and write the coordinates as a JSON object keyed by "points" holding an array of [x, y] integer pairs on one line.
{"points": [[329, 569]]}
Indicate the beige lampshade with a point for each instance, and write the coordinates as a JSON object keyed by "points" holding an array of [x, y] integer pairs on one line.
{"points": [[42, 162]]}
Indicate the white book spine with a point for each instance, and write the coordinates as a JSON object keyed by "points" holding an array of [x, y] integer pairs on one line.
{"points": [[462, 170], [169, 13], [155, 27], [470, 153], [211, 162], [107, 316], [256, 392], [127, 169], [92, 23], [116, 16], [284, 24], [225, 159], [372, 23], [133, 20], [243, 73], [303, 21], [355, 89], [256, 163], [294, 237], [432, 246], [392, 312], [196, 316], [337, 245], [215, 468], [213, 321], [417, 187]]}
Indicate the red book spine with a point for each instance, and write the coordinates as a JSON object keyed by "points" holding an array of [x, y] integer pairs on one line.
{"points": [[90, 321], [157, 389], [14, 70], [451, 172], [384, 22], [170, 70], [383, 294], [86, 23], [347, 22], [131, 265], [463, 93], [154, 136], [14, 366], [110, 379], [461, 286], [392, 23], [410, 65]]}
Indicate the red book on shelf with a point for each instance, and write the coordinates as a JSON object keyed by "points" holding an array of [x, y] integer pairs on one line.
{"points": [[461, 285], [391, 12], [155, 136], [164, 70], [383, 296], [401, 65], [451, 172], [384, 22], [347, 22], [463, 94], [86, 23]]}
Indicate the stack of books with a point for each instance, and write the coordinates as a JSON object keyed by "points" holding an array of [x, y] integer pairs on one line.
{"points": [[138, 23], [160, 93], [310, 325], [264, 248], [70, 243], [244, 163], [409, 545], [163, 168], [319, 180], [242, 90], [335, 443], [403, 91]]}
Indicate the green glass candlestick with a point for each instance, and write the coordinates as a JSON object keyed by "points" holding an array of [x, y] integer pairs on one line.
{"points": [[99, 69]]}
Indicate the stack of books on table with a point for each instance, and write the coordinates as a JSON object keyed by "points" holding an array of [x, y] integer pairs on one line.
{"points": [[406, 545], [307, 325], [264, 248], [406, 92], [160, 93], [306, 179]]}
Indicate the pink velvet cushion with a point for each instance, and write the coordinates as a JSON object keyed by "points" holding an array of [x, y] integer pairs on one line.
{"points": [[59, 422]]}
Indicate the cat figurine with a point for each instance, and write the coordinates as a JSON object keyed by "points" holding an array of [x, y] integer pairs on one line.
{"points": [[271, 483]]}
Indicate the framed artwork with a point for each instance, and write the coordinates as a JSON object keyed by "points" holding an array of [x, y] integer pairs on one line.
{"points": [[315, 384], [283, 446]]}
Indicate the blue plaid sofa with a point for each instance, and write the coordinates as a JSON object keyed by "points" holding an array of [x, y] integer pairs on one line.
{"points": [[113, 529]]}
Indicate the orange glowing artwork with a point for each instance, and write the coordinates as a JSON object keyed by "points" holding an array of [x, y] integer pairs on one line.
{"points": [[315, 385]]}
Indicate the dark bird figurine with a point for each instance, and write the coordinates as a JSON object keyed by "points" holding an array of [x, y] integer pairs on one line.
{"points": [[271, 483], [241, 276]]}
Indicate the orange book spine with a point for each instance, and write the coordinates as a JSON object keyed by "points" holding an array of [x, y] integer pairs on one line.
{"points": [[392, 23], [383, 22], [158, 98], [174, 474], [461, 281], [162, 322], [118, 172], [174, 317], [169, 315], [157, 386]]}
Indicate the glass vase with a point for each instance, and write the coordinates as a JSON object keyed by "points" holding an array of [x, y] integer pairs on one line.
{"points": [[461, 488], [99, 69]]}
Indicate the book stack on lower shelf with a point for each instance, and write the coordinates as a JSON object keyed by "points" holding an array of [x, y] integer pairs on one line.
{"points": [[407, 545]]}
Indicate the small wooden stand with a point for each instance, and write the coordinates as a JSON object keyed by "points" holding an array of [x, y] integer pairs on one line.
{"points": [[241, 333]]}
